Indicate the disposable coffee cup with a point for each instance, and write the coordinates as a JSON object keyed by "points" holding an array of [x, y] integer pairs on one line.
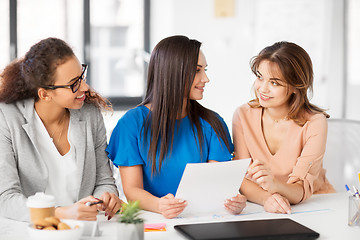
{"points": [[40, 206]]}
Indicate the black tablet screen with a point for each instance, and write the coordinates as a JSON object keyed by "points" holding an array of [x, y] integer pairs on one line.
{"points": [[257, 229]]}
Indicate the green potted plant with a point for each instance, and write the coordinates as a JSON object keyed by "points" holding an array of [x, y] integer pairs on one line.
{"points": [[131, 226]]}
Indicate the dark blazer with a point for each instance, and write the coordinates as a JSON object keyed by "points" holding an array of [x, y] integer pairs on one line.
{"points": [[23, 172]]}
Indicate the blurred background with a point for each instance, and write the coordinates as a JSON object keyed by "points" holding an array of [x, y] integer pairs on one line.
{"points": [[115, 37]]}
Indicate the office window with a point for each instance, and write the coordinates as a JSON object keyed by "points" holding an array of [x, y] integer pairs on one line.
{"points": [[108, 35], [117, 54], [39, 19], [5, 34], [353, 59]]}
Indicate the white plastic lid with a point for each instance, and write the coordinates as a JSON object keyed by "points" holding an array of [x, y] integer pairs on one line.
{"points": [[40, 200]]}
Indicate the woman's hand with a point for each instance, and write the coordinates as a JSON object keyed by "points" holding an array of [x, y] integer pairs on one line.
{"points": [[236, 204], [79, 210], [260, 174], [111, 204], [170, 207], [277, 204]]}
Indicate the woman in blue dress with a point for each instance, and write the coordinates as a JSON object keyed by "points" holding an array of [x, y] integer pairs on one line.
{"points": [[152, 143]]}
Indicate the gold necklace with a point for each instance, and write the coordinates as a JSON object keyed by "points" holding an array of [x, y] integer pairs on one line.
{"points": [[276, 121], [61, 124]]}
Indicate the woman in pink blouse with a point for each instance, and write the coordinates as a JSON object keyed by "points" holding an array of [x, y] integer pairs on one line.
{"points": [[283, 133]]}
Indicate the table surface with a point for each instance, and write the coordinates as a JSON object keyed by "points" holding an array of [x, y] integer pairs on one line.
{"points": [[326, 214]]}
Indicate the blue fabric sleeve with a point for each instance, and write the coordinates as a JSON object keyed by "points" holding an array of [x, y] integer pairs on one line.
{"points": [[123, 148], [218, 150]]}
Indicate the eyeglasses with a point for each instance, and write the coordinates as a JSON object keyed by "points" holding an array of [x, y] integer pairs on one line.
{"points": [[76, 85]]}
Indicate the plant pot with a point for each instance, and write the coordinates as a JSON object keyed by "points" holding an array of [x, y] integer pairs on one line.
{"points": [[128, 231]]}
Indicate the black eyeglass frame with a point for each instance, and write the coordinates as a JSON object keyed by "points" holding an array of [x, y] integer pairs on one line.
{"points": [[71, 86]]}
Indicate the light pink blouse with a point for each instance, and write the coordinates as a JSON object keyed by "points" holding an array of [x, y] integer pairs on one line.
{"points": [[300, 157]]}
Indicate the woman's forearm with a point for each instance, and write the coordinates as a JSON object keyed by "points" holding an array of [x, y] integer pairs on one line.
{"points": [[294, 192], [253, 192], [147, 201]]}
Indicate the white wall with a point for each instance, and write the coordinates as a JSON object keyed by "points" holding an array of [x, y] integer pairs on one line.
{"points": [[229, 43]]}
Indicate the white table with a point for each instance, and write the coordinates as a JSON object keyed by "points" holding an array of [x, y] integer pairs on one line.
{"points": [[326, 213]]}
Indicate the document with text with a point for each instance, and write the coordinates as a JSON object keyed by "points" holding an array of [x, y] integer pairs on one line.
{"points": [[206, 186]]}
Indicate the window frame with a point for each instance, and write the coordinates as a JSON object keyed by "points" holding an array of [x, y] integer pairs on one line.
{"points": [[119, 103]]}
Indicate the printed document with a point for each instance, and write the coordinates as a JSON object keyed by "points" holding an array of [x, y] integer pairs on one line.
{"points": [[206, 186]]}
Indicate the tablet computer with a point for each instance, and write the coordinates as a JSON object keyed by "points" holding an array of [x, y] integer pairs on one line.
{"points": [[283, 228]]}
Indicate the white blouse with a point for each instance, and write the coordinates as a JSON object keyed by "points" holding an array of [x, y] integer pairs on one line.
{"points": [[63, 181]]}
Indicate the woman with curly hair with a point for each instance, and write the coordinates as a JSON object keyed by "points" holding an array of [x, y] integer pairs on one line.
{"points": [[52, 136]]}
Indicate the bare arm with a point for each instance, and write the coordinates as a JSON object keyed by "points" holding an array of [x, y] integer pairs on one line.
{"points": [[294, 192], [275, 202], [253, 192], [260, 174], [132, 180]]}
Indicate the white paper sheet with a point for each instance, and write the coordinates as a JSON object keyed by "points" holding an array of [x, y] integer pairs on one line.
{"points": [[205, 186]]}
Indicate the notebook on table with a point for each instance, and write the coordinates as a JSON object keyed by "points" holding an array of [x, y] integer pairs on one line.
{"points": [[283, 228]]}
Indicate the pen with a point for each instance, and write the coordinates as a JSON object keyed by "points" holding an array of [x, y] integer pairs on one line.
{"points": [[93, 203], [348, 190], [355, 219], [356, 192]]}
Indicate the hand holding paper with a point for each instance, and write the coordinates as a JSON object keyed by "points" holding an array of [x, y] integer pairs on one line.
{"points": [[170, 206], [206, 186], [236, 204]]}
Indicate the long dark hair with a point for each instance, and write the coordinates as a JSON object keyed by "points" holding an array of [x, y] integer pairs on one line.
{"points": [[171, 72], [296, 67], [22, 78]]}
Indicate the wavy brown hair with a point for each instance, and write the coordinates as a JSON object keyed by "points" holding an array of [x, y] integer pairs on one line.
{"points": [[296, 68], [171, 72], [22, 78]]}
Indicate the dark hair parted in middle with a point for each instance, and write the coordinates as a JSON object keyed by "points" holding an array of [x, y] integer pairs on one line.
{"points": [[171, 73], [296, 68]]}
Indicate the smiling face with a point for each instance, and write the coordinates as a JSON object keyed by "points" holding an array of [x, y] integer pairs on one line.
{"points": [[66, 74], [270, 86], [197, 88]]}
